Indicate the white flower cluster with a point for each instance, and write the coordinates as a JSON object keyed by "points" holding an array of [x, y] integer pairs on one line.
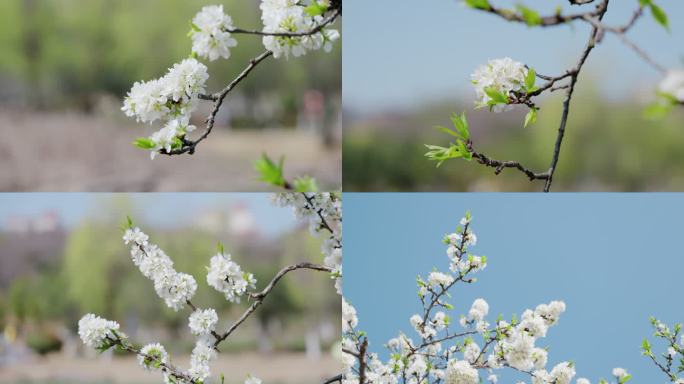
{"points": [[458, 242], [171, 99], [211, 38], [202, 355], [349, 319], [673, 84], [174, 287], [501, 75], [97, 332], [323, 211], [203, 321], [152, 356], [504, 345], [289, 16], [227, 277], [461, 372]]}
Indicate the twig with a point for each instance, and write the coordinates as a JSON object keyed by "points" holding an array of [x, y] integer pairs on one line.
{"points": [[189, 146], [260, 296], [319, 27]]}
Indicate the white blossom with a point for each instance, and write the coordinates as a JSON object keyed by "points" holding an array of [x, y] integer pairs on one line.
{"points": [[439, 278], [203, 321], [211, 37], [673, 84], [202, 355], [349, 319], [288, 16], [151, 355], [227, 277], [461, 372], [619, 373], [94, 330], [502, 75], [562, 373], [252, 380]]}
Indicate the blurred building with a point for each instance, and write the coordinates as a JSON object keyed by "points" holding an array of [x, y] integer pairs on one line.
{"points": [[29, 243]]}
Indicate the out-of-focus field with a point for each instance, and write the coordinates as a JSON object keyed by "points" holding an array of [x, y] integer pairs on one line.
{"points": [[608, 146], [66, 66], [45, 152], [276, 368]]}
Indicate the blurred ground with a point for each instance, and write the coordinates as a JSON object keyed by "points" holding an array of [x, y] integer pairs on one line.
{"points": [[41, 151], [276, 368]]}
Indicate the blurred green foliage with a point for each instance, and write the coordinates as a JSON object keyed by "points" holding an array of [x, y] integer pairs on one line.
{"points": [[66, 51], [607, 146], [96, 275]]}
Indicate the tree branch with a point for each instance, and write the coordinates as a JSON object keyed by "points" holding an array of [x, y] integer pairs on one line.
{"points": [[319, 27], [260, 296]]}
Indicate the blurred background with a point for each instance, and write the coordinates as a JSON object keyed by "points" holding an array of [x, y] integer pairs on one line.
{"points": [[67, 64], [401, 81], [61, 256]]}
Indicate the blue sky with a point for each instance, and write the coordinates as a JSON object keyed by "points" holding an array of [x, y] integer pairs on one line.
{"points": [[166, 210], [402, 54], [615, 259]]}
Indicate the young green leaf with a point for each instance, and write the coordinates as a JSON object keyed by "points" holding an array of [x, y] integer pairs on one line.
{"points": [[531, 117], [478, 4], [659, 15], [461, 125], [269, 171], [530, 16], [530, 80], [144, 143], [316, 9], [496, 96], [305, 184]]}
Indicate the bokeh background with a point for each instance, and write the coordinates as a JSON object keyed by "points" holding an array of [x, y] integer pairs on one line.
{"points": [[407, 67], [67, 64], [615, 259], [61, 256]]}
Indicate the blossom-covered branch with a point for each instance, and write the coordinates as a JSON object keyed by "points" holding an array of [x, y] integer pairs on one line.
{"points": [[670, 362], [291, 29], [478, 350], [503, 83], [322, 211]]}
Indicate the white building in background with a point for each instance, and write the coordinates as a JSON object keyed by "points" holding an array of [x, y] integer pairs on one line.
{"points": [[238, 221]]}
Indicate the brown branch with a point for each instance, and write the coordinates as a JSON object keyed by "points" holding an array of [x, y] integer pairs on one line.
{"points": [[546, 21], [260, 296], [500, 165], [190, 145], [591, 44]]}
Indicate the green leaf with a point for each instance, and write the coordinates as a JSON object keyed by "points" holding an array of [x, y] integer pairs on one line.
{"points": [[144, 143], [461, 125], [316, 9], [659, 15], [530, 16], [305, 184], [220, 248], [530, 79], [625, 379], [269, 171], [497, 96], [446, 130], [531, 117], [478, 4], [657, 111]]}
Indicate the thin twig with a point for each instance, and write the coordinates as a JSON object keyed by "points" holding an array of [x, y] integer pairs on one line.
{"points": [[260, 296], [190, 145], [319, 27]]}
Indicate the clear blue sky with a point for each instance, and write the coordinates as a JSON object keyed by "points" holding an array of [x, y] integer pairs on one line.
{"points": [[401, 53], [167, 210], [615, 259]]}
